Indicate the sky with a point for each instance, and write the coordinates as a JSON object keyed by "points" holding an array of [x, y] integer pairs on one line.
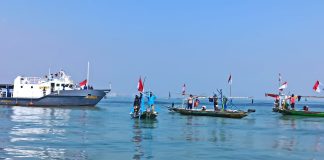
{"points": [[199, 43]]}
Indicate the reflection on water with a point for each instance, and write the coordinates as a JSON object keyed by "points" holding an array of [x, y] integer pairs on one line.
{"points": [[285, 143], [37, 121], [299, 134], [197, 130], [34, 130], [142, 130]]}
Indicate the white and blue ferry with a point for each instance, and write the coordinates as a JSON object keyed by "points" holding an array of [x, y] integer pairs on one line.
{"points": [[51, 90]]}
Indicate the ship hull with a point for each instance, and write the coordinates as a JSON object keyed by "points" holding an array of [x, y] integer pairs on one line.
{"points": [[61, 98]]}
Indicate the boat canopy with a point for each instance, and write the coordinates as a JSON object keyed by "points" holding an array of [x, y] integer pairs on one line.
{"points": [[7, 86]]}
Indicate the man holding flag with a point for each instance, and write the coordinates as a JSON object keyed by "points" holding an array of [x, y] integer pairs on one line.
{"points": [[139, 100]]}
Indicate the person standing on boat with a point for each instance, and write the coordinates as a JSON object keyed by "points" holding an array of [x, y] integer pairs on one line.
{"points": [[292, 101], [277, 101], [137, 103], [151, 100], [285, 104], [197, 101], [190, 101], [225, 103], [142, 101], [215, 99]]}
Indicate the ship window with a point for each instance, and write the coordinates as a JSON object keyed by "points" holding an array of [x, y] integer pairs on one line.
{"points": [[21, 86], [32, 87], [57, 85], [62, 85]]}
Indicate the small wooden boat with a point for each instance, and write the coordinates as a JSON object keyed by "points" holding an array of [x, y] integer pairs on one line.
{"points": [[148, 115], [145, 115], [211, 113], [302, 113]]}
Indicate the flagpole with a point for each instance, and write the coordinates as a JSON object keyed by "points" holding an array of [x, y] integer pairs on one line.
{"points": [[230, 89], [183, 94], [88, 73], [230, 84], [144, 83], [279, 83]]}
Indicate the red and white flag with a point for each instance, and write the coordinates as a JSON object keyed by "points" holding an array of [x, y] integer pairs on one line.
{"points": [[316, 87], [83, 83], [283, 86], [140, 86], [184, 89], [230, 79]]}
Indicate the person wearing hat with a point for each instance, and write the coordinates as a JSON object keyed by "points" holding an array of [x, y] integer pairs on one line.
{"points": [[215, 99]]}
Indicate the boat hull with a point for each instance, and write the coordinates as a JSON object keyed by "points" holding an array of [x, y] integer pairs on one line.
{"points": [[275, 109], [225, 114], [302, 113], [148, 115], [145, 115], [62, 98]]}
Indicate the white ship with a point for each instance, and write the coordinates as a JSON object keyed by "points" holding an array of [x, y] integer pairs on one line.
{"points": [[51, 90]]}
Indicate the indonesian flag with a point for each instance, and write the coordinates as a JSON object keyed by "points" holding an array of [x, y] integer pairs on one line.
{"points": [[184, 89], [230, 79], [271, 95], [283, 86], [316, 87], [83, 83], [140, 86]]}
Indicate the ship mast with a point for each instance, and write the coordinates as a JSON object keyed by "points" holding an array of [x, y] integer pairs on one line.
{"points": [[88, 73]]}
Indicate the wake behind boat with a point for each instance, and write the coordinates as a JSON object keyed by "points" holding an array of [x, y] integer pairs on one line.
{"points": [[51, 90]]}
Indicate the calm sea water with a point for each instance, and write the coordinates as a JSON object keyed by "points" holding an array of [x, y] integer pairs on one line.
{"points": [[107, 132]]}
